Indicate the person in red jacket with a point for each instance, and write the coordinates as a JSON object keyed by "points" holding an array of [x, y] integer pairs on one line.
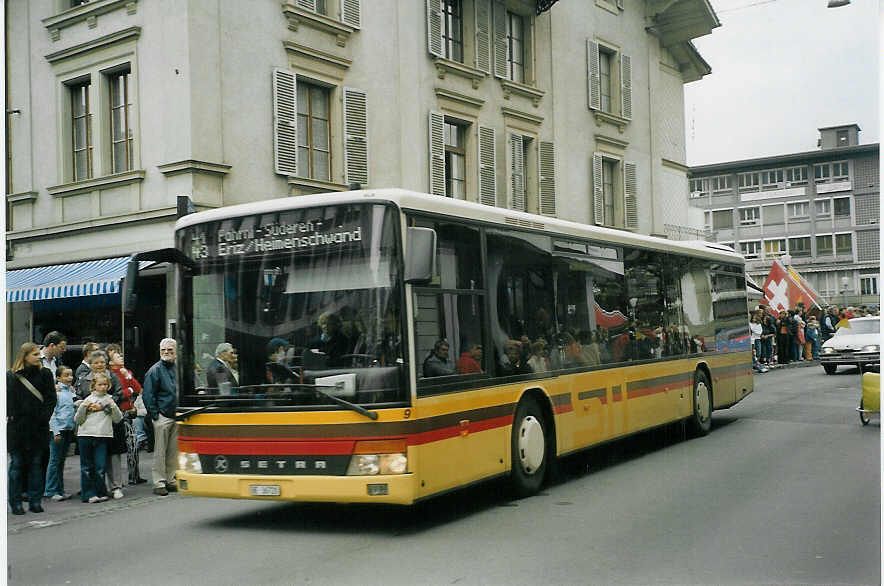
{"points": [[471, 360], [131, 390]]}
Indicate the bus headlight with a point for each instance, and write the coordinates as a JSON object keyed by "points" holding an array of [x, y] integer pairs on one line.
{"points": [[372, 464], [870, 348], [189, 462], [828, 350]]}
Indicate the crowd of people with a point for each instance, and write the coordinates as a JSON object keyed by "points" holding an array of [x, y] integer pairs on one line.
{"points": [[99, 406], [794, 335]]}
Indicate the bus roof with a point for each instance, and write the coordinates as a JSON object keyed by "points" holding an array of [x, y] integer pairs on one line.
{"points": [[416, 201]]}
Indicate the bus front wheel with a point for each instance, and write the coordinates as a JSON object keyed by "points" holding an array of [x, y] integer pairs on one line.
{"points": [[701, 417], [529, 448]]}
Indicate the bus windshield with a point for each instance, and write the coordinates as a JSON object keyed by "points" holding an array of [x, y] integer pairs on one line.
{"points": [[284, 309]]}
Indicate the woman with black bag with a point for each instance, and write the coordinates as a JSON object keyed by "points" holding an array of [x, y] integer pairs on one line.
{"points": [[30, 402]]}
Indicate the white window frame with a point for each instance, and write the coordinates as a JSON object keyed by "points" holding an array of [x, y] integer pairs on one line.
{"points": [[750, 181], [801, 172], [771, 179], [790, 206], [703, 184], [842, 165], [747, 221], [810, 243], [707, 220], [783, 248], [873, 281], [828, 212], [748, 255], [825, 173], [716, 181]]}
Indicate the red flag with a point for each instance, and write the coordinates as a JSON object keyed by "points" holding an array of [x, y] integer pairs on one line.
{"points": [[805, 291], [608, 319], [776, 288]]}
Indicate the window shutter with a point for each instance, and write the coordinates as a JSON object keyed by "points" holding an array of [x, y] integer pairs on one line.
{"points": [[517, 173], [630, 196], [285, 118], [487, 166], [626, 86], [499, 39], [355, 136], [437, 153], [350, 13], [483, 35], [307, 4], [434, 27], [593, 79], [547, 188], [598, 202]]}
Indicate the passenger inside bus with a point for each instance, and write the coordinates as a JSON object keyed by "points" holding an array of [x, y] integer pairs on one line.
{"points": [[470, 361], [512, 361], [437, 362], [332, 342]]}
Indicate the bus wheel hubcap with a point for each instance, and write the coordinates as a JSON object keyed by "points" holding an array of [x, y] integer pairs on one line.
{"points": [[531, 444], [702, 402]]}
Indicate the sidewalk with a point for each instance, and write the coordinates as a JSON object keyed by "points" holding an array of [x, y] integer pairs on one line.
{"points": [[73, 508]]}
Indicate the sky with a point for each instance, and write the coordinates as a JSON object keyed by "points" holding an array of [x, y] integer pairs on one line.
{"points": [[781, 69]]}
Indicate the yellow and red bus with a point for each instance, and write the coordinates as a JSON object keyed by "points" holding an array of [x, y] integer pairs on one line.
{"points": [[391, 346]]}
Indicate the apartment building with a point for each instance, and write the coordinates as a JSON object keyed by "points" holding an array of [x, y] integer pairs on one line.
{"points": [[571, 109], [818, 210]]}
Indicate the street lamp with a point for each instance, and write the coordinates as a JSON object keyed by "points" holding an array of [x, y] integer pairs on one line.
{"points": [[844, 283]]}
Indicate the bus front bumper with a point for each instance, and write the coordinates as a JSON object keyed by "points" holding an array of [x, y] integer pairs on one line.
{"points": [[393, 489]]}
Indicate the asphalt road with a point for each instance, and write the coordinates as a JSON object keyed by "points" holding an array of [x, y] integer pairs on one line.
{"points": [[785, 490]]}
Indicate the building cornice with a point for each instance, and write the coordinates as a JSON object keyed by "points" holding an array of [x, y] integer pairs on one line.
{"points": [[92, 224], [21, 196], [77, 187], [194, 166], [296, 16], [117, 37]]}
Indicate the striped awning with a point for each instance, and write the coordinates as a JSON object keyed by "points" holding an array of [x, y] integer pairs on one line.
{"points": [[79, 279]]}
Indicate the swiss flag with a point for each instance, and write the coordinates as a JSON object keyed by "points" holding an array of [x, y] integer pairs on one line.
{"points": [[784, 288], [776, 288]]}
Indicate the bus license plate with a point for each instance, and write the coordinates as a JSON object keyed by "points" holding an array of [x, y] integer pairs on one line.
{"points": [[264, 490]]}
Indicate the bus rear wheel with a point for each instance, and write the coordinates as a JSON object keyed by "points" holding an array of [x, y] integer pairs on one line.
{"points": [[529, 448], [701, 416], [830, 368]]}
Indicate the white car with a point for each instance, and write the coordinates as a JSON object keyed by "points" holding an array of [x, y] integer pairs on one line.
{"points": [[856, 345]]}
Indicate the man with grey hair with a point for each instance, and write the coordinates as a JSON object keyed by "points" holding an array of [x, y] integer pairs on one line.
{"points": [[160, 397], [222, 370]]}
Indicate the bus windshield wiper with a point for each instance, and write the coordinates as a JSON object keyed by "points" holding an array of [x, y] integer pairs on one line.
{"points": [[352, 406]]}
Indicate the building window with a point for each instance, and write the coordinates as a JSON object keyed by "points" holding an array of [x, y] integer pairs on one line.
{"points": [[796, 175], [750, 250], [842, 206], [723, 219], [825, 172], [774, 248], [773, 214], [749, 181], [772, 179], [842, 138], [821, 173], [840, 172], [750, 216], [455, 160], [697, 188], [823, 208], [81, 131], [515, 47], [608, 169], [121, 127], [868, 284], [605, 59], [824, 245], [452, 30], [314, 156], [798, 209], [799, 246], [707, 220], [720, 183], [844, 244]]}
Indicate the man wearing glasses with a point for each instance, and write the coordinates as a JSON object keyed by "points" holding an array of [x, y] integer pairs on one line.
{"points": [[161, 400]]}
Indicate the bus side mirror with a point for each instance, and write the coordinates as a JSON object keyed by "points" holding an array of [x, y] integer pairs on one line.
{"points": [[420, 255], [130, 286]]}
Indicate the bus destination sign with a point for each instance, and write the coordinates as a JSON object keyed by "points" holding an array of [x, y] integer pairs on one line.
{"points": [[271, 238]]}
